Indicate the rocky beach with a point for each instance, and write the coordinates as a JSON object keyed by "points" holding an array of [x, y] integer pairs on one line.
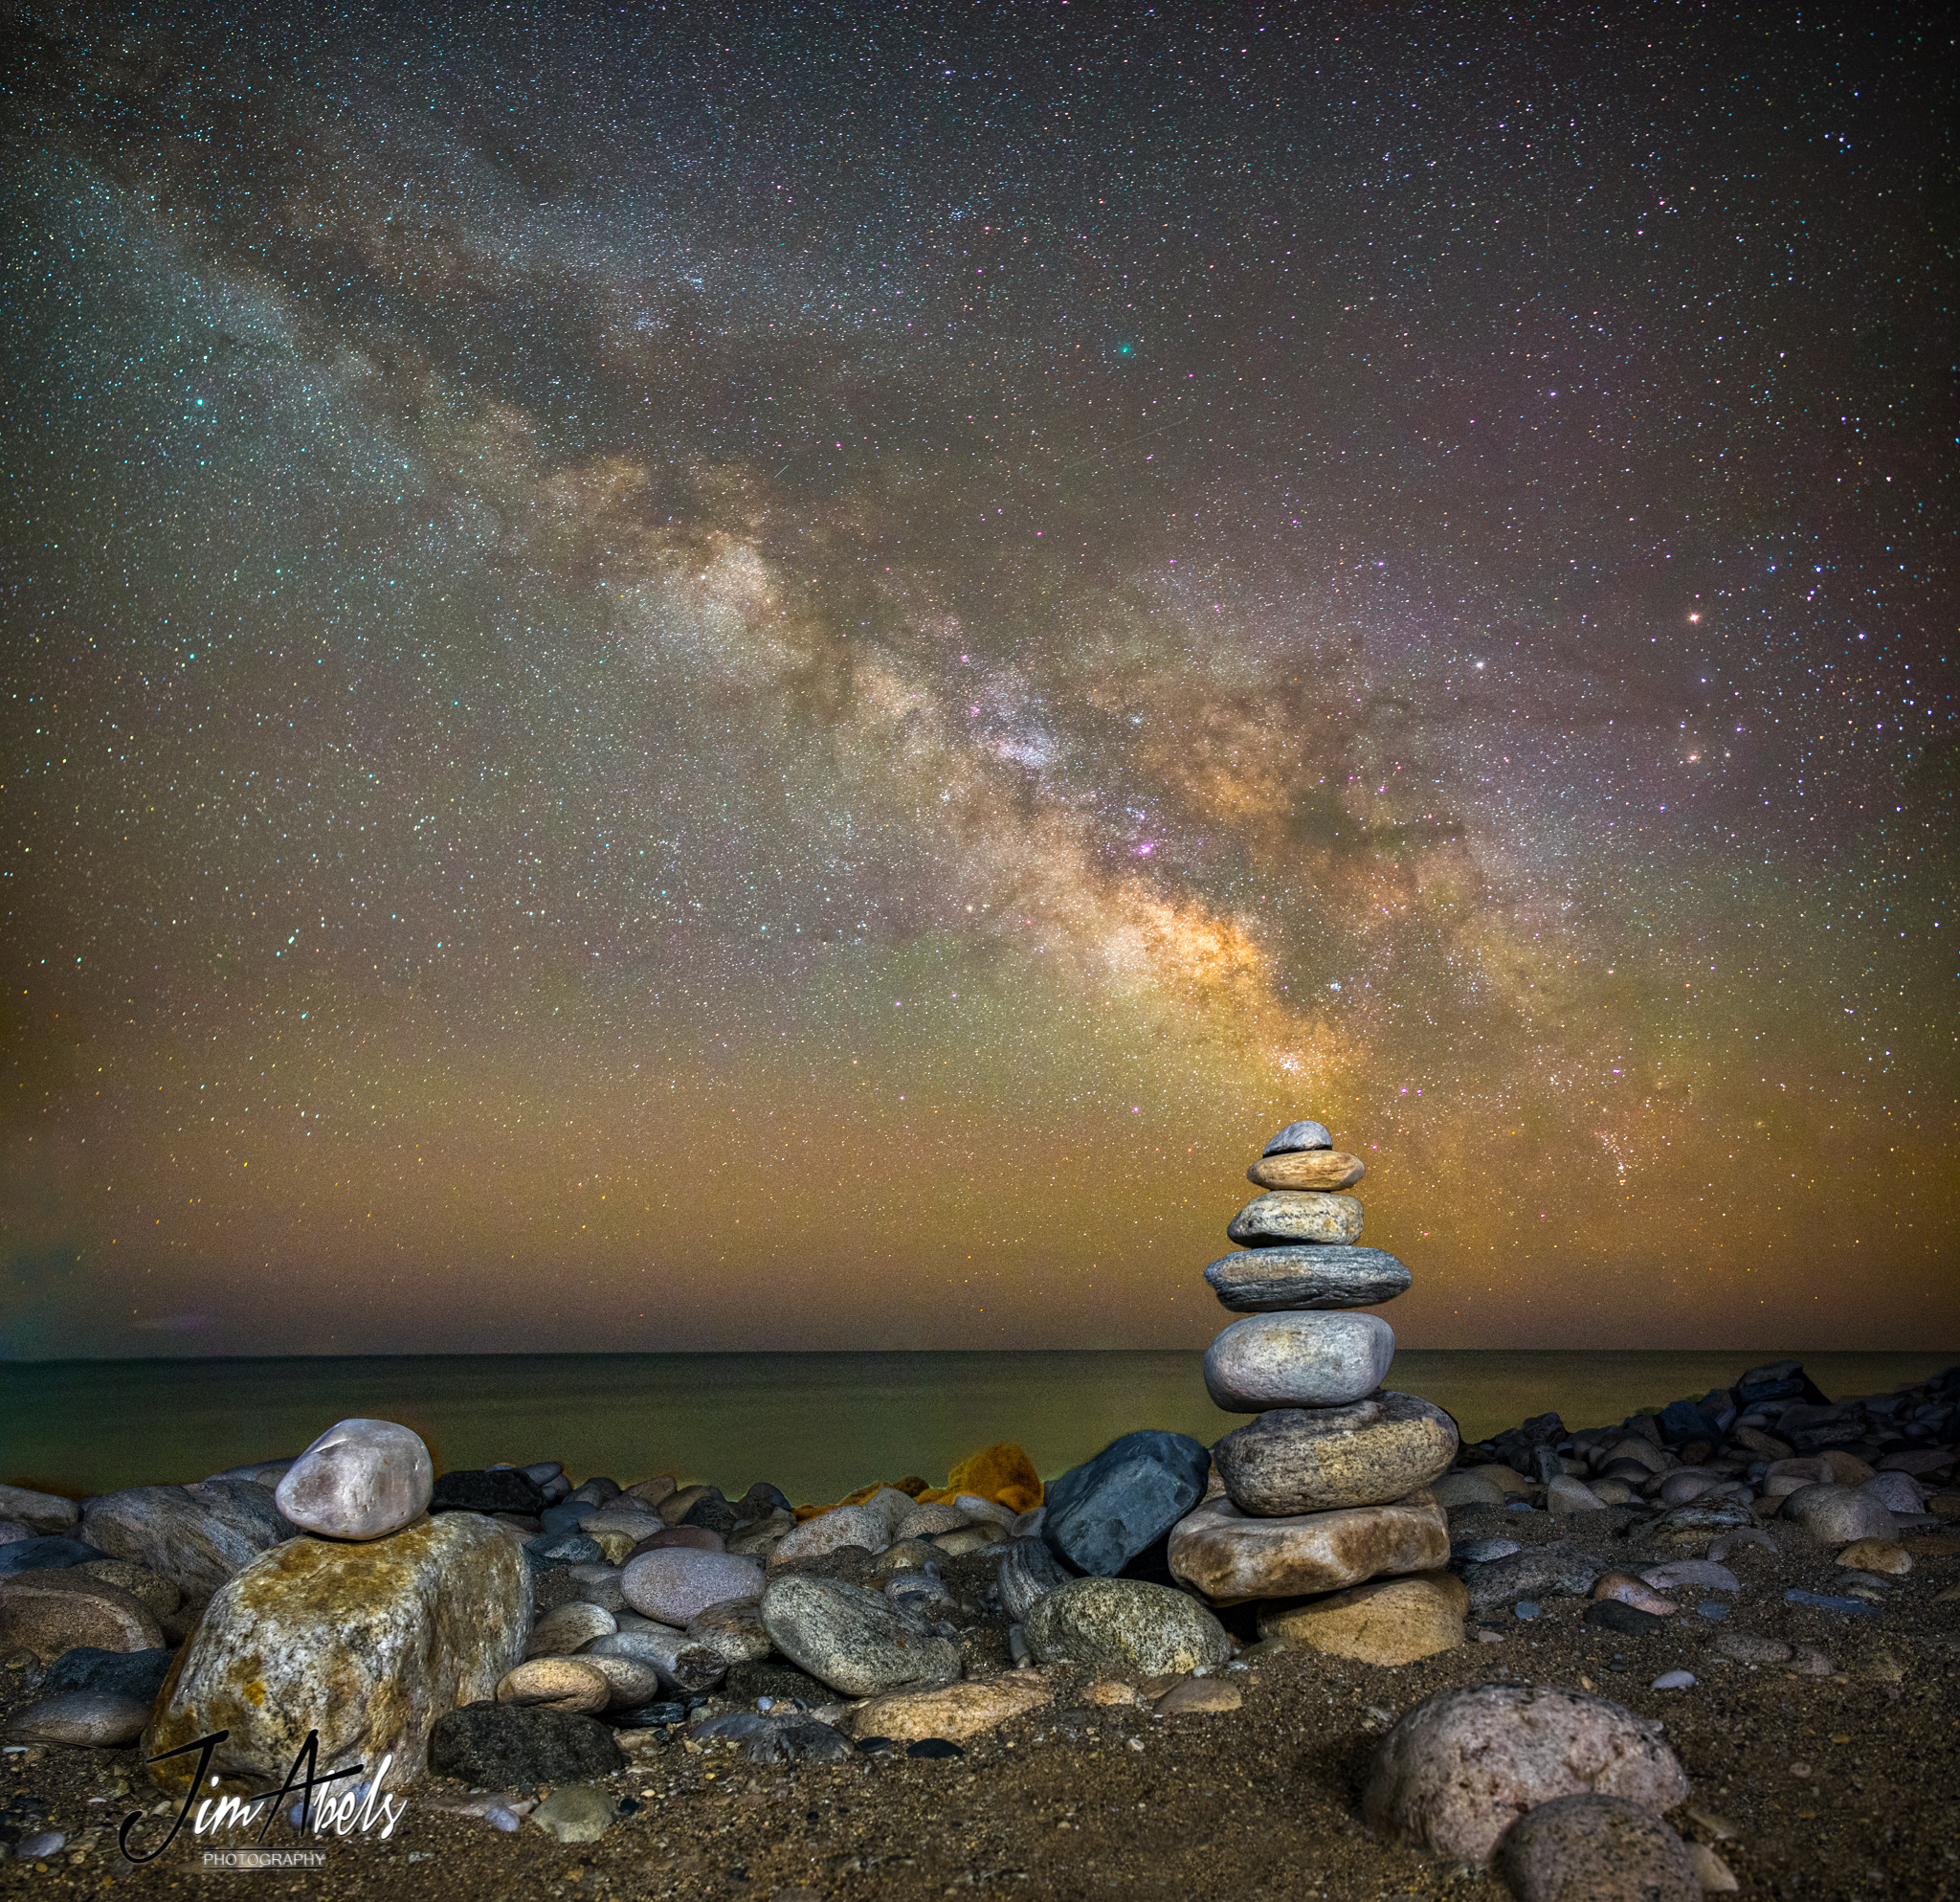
{"points": [[1339, 1653]]}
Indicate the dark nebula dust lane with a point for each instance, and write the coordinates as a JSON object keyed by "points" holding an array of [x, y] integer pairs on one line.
{"points": [[777, 676]]}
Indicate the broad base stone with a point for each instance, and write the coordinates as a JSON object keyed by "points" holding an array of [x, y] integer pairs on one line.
{"points": [[1462, 1767], [1294, 1214], [1596, 1848], [1307, 1276], [359, 1480], [1298, 1359], [1386, 1621], [1230, 1556], [1102, 1513], [1320, 1169], [54, 1611], [1124, 1621], [368, 1643], [959, 1710], [196, 1536], [1297, 1459], [855, 1641]]}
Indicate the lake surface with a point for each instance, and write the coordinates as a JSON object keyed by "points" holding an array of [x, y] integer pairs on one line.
{"points": [[818, 1424]]}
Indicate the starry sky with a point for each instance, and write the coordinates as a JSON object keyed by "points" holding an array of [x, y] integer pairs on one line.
{"points": [[691, 677]]}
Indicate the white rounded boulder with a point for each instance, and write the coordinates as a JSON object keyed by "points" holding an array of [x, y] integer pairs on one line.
{"points": [[360, 1480]]}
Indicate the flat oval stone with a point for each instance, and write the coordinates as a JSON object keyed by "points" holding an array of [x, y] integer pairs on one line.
{"points": [[1301, 1459], [556, 1684], [1307, 1169], [1231, 1556], [361, 1479], [1263, 1280], [1294, 1214], [734, 1628], [50, 1612], [560, 1632], [636, 1683], [94, 1719], [674, 1584], [1297, 1136], [1298, 1359], [855, 1641]]}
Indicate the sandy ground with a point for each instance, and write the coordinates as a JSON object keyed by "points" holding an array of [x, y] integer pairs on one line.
{"points": [[1840, 1786]]}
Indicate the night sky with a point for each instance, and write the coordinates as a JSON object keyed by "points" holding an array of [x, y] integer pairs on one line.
{"points": [[698, 677]]}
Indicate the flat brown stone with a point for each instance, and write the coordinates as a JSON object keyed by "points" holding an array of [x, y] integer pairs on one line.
{"points": [[51, 1611], [1294, 1460], [1385, 1622], [1231, 1556], [1307, 1169]]}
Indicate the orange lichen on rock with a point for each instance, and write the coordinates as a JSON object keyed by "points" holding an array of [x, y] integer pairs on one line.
{"points": [[911, 1485], [1003, 1473]]}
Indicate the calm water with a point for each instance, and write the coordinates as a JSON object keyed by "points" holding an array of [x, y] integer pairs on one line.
{"points": [[818, 1424]]}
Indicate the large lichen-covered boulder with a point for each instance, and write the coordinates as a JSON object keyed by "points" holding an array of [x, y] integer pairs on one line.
{"points": [[368, 1643]]}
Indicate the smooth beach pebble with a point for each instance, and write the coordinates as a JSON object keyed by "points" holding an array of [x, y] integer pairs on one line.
{"points": [[197, 1536], [1297, 1136], [1839, 1514], [855, 1640], [556, 1684], [1283, 1216], [574, 1813], [561, 1632], [361, 1479], [54, 1611], [99, 1720], [734, 1628], [1298, 1359], [1124, 1621], [958, 1710], [674, 1584]]}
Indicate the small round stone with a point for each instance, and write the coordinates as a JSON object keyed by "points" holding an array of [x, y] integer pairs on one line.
{"points": [[675, 1583], [1298, 1136]]}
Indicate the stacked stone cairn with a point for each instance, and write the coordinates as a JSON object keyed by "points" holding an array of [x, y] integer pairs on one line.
{"points": [[1323, 1490]]}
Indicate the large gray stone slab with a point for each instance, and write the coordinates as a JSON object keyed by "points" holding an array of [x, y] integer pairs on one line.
{"points": [[1263, 1280]]}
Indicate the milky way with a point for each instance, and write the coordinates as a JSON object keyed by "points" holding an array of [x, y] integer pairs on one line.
{"points": [[779, 676]]}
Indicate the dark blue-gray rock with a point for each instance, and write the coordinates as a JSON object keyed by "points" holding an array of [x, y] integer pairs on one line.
{"points": [[569, 1548], [712, 1514], [137, 1674], [1298, 1136], [598, 1490], [1028, 1571], [1265, 1280], [498, 1746], [1560, 1570], [196, 1536], [567, 1516], [45, 1555], [1103, 1513], [1777, 1380], [855, 1640], [45, 1515], [1682, 1421], [1628, 1621], [492, 1489], [1515, 1446], [760, 1500]]}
